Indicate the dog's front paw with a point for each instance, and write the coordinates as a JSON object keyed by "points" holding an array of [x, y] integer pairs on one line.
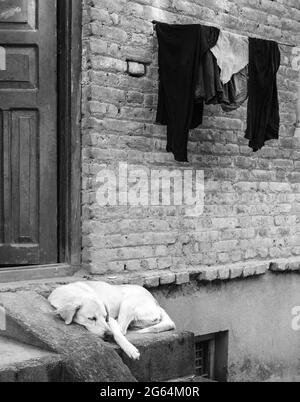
{"points": [[133, 352]]}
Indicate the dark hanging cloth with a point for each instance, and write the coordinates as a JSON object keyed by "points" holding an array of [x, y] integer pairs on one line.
{"points": [[181, 49], [236, 90], [212, 91], [263, 107], [209, 87]]}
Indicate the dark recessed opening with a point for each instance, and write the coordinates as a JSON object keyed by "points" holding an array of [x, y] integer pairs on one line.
{"points": [[203, 358], [211, 356]]}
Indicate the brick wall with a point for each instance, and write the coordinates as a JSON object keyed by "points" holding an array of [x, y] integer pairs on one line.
{"points": [[252, 200]]}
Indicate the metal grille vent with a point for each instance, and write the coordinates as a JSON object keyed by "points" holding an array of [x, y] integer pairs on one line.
{"points": [[202, 362]]}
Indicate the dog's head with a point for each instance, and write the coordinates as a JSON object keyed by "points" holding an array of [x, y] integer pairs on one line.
{"points": [[90, 313]]}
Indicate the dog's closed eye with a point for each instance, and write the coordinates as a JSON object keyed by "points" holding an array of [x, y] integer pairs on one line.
{"points": [[93, 319]]}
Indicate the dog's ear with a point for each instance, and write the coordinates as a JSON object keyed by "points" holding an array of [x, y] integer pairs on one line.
{"points": [[67, 313]]}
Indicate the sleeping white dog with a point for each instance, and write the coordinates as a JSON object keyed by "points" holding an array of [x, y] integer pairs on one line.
{"points": [[110, 309]]}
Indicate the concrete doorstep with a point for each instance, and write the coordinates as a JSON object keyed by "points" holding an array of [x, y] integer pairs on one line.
{"points": [[37, 346], [23, 363]]}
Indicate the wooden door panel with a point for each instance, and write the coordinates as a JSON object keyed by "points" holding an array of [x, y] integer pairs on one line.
{"points": [[18, 14], [21, 68], [28, 133], [25, 176]]}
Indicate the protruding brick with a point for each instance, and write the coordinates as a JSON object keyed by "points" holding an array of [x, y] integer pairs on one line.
{"points": [[182, 278], [262, 269], [236, 272], [249, 271], [167, 278], [209, 275], [152, 281], [223, 273], [293, 266], [278, 266], [136, 69]]}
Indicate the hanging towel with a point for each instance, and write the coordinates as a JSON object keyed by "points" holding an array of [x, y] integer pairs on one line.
{"points": [[181, 49], [263, 106], [232, 54]]}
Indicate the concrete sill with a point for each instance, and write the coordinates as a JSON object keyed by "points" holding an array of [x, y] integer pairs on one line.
{"points": [[19, 274]]}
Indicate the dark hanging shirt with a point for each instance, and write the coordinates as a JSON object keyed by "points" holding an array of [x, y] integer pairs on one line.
{"points": [[263, 107], [181, 49], [209, 87], [212, 91], [237, 90]]}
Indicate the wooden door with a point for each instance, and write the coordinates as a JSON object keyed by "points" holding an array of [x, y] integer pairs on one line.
{"points": [[28, 132]]}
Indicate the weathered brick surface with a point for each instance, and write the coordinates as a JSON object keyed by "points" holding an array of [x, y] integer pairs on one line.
{"points": [[252, 201]]}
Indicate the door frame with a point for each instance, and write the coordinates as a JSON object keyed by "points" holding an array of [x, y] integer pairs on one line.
{"points": [[69, 49]]}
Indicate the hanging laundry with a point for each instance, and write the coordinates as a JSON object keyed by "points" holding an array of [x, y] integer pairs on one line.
{"points": [[232, 54], [238, 90], [263, 118], [212, 91], [181, 49], [209, 87]]}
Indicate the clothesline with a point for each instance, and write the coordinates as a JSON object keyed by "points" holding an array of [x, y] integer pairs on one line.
{"points": [[154, 22]]}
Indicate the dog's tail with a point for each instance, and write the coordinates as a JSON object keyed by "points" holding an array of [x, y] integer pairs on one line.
{"points": [[166, 324]]}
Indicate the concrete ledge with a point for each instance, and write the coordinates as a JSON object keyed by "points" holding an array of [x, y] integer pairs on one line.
{"points": [[38, 272], [155, 279], [285, 265], [165, 356]]}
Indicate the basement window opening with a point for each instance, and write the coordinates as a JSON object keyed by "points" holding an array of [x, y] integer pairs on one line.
{"points": [[211, 356], [204, 351]]}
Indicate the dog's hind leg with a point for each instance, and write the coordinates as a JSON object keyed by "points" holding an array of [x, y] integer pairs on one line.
{"points": [[120, 339], [166, 324]]}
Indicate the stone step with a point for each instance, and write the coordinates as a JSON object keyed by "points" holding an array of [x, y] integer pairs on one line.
{"points": [[24, 363], [163, 356]]}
